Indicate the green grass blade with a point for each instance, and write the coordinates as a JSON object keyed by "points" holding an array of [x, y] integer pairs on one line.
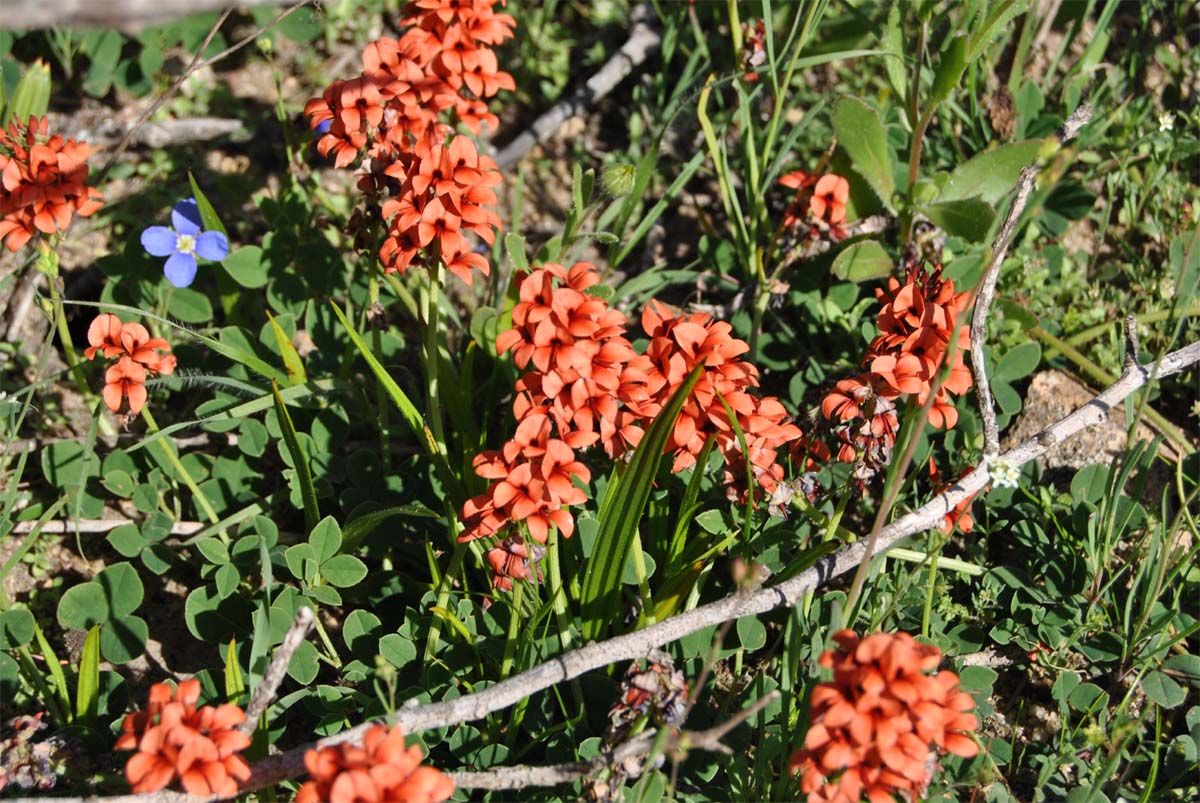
{"points": [[87, 691], [308, 493], [620, 511], [407, 409]]}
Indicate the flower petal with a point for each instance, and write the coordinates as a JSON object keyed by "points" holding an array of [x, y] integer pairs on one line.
{"points": [[212, 245], [180, 269], [159, 241], [185, 217]]}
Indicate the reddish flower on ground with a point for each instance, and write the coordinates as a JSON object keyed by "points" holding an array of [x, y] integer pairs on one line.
{"points": [[917, 322], [382, 769], [137, 356], [125, 381], [820, 201], [42, 182], [829, 199], [878, 725], [174, 739]]}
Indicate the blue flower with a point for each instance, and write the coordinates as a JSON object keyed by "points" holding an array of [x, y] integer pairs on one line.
{"points": [[183, 243]]}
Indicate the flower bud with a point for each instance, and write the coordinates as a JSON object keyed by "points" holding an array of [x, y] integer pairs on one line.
{"points": [[618, 180]]}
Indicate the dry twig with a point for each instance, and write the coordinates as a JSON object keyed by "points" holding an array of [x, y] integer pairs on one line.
{"points": [[986, 288], [265, 693]]}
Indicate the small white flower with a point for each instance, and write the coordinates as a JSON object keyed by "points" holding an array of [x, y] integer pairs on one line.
{"points": [[1166, 121], [1004, 474]]}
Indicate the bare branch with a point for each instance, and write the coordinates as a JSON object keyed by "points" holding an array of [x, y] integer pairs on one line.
{"points": [[642, 39], [58, 526], [521, 776], [265, 692], [127, 15], [416, 718], [986, 288]]}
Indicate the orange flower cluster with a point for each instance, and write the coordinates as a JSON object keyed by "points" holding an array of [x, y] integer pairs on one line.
{"points": [[436, 190], [41, 182], [137, 359], [917, 323], [571, 400], [381, 769], [677, 346], [877, 726], [819, 200], [587, 386], [174, 739]]}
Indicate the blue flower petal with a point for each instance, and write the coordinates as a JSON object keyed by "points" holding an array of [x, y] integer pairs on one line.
{"points": [[180, 269], [159, 241], [185, 217], [212, 245]]}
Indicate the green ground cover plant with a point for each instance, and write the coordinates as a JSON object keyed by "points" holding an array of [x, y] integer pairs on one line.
{"points": [[462, 400]]}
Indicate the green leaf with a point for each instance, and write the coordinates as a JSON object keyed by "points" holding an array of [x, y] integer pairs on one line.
{"points": [[16, 628], [123, 589], [514, 246], [397, 650], [1018, 362], [863, 262], [995, 23], [291, 357], [119, 482], [969, 218], [303, 666], [949, 70], [861, 133], [992, 174], [246, 267], [358, 632], [190, 306], [122, 640], [127, 540], [32, 96], [298, 558], [299, 459], [343, 571], [87, 691], [893, 60], [1163, 689], [82, 606], [235, 685], [208, 215], [355, 531], [325, 539], [105, 50], [752, 633], [620, 511]]}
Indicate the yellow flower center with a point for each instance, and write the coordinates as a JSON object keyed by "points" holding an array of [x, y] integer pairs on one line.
{"points": [[186, 244]]}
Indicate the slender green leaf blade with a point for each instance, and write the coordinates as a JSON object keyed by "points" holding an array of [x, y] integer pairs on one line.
{"points": [[620, 511], [308, 493], [87, 693]]}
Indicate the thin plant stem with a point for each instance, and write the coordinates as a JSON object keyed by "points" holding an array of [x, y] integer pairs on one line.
{"points": [[514, 627], [927, 613], [72, 357], [558, 592], [639, 566], [177, 464]]}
